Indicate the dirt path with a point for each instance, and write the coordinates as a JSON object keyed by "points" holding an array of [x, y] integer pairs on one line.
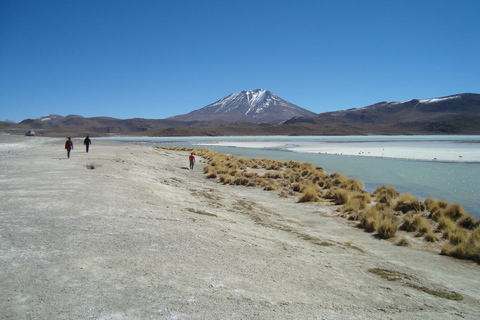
{"points": [[128, 232]]}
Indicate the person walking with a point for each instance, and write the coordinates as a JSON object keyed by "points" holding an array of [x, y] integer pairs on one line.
{"points": [[69, 146], [87, 142], [192, 160]]}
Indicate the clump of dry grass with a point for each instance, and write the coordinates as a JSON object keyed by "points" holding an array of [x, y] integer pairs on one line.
{"points": [[387, 226], [226, 179], [407, 202], [341, 196], [293, 164], [210, 172], [423, 226], [468, 222], [240, 179], [433, 205], [298, 187], [408, 223], [436, 213], [336, 180], [456, 235], [368, 219], [465, 248], [271, 185], [430, 236], [445, 223], [454, 212], [310, 193], [403, 242], [353, 185], [357, 201], [386, 195]]}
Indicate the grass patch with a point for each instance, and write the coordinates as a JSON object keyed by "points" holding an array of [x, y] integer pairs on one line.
{"points": [[387, 227], [463, 245], [403, 242], [368, 219], [389, 274], [407, 202], [310, 193], [407, 280], [455, 212], [386, 195], [202, 212], [450, 295]]}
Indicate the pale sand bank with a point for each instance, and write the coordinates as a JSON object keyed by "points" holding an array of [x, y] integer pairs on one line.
{"points": [[459, 152], [140, 236]]}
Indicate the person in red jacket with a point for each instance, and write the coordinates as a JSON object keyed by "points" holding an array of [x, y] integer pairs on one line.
{"points": [[69, 146], [192, 160]]}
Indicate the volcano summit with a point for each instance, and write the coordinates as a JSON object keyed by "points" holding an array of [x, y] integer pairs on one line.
{"points": [[257, 106]]}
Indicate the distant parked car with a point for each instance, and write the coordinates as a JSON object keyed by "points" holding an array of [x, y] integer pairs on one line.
{"points": [[30, 133]]}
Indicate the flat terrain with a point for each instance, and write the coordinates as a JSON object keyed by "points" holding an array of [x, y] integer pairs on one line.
{"points": [[128, 232]]}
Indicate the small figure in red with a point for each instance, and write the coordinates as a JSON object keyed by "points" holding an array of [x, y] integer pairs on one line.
{"points": [[192, 160]]}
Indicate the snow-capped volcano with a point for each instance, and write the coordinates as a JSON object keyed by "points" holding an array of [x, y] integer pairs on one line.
{"points": [[258, 106]]}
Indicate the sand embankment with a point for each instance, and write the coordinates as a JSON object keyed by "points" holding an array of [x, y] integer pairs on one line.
{"points": [[141, 236]]}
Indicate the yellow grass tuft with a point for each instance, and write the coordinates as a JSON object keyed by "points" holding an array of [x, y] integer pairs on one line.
{"points": [[407, 202], [455, 212], [226, 179], [271, 185], [468, 222], [368, 219], [445, 223], [353, 185], [457, 236], [423, 226], [408, 224], [341, 196], [356, 202], [467, 248], [387, 226], [336, 180], [386, 195], [403, 242], [310, 193], [210, 172], [430, 236]]}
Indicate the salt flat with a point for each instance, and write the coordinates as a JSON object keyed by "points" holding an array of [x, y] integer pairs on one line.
{"points": [[128, 232]]}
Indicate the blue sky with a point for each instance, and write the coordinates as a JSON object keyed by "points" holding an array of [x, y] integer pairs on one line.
{"points": [[156, 59]]}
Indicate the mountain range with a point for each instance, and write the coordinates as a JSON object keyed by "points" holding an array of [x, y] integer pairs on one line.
{"points": [[260, 112]]}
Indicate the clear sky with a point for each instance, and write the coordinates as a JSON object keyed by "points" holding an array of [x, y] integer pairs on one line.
{"points": [[156, 59]]}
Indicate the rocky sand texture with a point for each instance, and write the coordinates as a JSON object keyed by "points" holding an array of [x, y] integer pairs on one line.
{"points": [[128, 232]]}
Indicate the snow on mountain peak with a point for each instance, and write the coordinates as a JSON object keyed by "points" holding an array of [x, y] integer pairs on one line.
{"points": [[439, 99], [258, 106]]}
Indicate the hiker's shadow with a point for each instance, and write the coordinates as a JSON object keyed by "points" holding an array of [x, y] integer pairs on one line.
{"points": [[185, 168]]}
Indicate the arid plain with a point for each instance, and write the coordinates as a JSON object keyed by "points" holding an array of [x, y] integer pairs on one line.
{"points": [[128, 232]]}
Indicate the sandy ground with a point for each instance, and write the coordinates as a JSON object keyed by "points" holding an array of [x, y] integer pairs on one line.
{"points": [[140, 236]]}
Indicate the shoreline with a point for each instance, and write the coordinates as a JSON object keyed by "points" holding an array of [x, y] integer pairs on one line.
{"points": [[141, 236], [360, 156], [343, 145]]}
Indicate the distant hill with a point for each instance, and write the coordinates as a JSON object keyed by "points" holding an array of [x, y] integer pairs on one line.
{"points": [[456, 114], [257, 106]]}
